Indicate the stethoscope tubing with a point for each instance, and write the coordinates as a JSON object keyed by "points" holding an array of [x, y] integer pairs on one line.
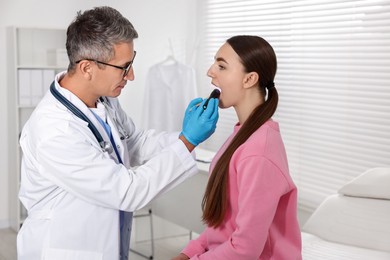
{"points": [[122, 132], [77, 112]]}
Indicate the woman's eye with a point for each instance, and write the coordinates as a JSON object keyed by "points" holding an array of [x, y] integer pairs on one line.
{"points": [[221, 67]]}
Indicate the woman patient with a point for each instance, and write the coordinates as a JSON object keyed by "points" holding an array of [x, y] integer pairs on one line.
{"points": [[250, 203]]}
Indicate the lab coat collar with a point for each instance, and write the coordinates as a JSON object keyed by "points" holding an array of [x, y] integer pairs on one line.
{"points": [[80, 105]]}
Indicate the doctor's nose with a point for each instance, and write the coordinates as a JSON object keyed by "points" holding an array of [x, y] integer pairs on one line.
{"points": [[130, 76]]}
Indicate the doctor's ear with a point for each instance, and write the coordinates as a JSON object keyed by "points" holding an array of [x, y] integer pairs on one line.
{"points": [[85, 68], [251, 79]]}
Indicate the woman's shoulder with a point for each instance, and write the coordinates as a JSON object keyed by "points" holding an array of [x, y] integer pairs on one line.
{"points": [[266, 142], [267, 135]]}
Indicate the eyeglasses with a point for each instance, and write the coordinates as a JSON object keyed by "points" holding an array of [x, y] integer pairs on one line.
{"points": [[125, 69]]}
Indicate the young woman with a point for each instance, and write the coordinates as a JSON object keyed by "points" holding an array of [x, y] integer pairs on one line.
{"points": [[250, 203]]}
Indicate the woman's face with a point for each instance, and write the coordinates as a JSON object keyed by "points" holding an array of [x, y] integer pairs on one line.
{"points": [[227, 73]]}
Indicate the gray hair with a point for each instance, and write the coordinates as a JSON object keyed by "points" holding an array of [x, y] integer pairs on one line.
{"points": [[93, 34]]}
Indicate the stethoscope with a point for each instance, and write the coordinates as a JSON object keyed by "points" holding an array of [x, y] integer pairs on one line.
{"points": [[106, 146]]}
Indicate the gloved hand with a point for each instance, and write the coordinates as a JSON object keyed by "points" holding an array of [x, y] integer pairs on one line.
{"points": [[190, 110], [200, 124]]}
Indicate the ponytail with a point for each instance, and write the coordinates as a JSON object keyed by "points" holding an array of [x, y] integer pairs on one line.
{"points": [[214, 203]]}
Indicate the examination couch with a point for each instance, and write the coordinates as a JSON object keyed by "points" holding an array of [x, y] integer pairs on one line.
{"points": [[353, 224]]}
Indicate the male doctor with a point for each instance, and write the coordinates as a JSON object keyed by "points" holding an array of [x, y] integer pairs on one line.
{"points": [[80, 192]]}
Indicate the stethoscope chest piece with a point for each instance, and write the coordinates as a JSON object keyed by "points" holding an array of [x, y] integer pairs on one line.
{"points": [[106, 146], [124, 136]]}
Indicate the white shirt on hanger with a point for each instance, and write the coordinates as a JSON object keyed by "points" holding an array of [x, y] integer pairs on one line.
{"points": [[169, 89]]}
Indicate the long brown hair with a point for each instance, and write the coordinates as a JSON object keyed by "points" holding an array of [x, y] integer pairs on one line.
{"points": [[256, 55]]}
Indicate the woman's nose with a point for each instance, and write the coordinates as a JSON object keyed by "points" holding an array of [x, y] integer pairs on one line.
{"points": [[210, 72]]}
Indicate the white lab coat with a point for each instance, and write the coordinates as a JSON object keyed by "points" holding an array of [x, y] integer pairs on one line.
{"points": [[73, 191], [168, 86]]}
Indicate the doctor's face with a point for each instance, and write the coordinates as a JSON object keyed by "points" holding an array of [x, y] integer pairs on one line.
{"points": [[111, 78], [228, 73]]}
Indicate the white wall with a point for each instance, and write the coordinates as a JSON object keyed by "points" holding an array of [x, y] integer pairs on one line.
{"points": [[157, 21]]}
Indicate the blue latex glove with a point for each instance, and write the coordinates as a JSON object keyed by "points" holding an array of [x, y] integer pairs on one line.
{"points": [[190, 110], [200, 124]]}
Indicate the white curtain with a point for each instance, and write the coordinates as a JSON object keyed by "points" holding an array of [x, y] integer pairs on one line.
{"points": [[333, 80]]}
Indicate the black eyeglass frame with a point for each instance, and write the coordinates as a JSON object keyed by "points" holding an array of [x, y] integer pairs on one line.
{"points": [[125, 69]]}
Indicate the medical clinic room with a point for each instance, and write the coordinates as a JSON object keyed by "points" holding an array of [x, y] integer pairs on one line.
{"points": [[195, 129]]}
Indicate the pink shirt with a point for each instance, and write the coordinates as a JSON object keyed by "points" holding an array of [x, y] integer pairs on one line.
{"points": [[261, 222]]}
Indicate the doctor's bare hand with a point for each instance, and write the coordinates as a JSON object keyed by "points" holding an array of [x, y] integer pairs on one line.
{"points": [[201, 123]]}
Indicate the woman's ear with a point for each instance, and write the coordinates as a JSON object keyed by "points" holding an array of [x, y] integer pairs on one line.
{"points": [[251, 79]]}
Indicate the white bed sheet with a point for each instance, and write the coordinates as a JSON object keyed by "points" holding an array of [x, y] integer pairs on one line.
{"points": [[315, 248]]}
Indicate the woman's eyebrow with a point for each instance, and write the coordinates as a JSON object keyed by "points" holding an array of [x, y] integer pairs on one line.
{"points": [[220, 59]]}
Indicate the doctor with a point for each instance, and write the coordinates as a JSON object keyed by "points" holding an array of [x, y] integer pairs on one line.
{"points": [[85, 166]]}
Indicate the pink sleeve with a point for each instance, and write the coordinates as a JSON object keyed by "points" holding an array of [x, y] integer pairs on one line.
{"points": [[260, 184], [196, 246]]}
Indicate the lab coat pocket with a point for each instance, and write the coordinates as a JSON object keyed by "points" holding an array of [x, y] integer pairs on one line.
{"points": [[63, 254]]}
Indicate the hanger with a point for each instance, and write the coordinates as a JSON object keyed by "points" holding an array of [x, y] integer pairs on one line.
{"points": [[170, 59]]}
